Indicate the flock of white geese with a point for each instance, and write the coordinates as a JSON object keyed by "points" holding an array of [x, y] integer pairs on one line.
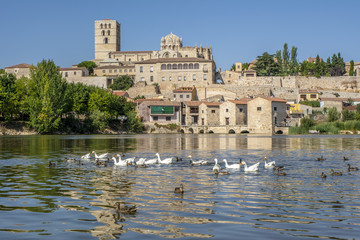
{"points": [[143, 162]]}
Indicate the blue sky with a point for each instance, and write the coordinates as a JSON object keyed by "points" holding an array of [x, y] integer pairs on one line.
{"points": [[32, 30]]}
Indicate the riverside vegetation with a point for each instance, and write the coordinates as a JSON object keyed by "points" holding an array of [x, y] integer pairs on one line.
{"points": [[335, 122], [48, 104]]}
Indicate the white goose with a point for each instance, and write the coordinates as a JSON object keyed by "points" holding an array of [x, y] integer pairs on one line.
{"points": [[200, 162], [164, 161], [269, 164], [235, 166], [141, 161], [252, 168], [87, 156], [101, 156], [129, 161], [151, 161], [119, 162], [216, 166]]}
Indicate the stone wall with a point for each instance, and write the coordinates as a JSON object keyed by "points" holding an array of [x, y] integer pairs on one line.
{"points": [[90, 80]]}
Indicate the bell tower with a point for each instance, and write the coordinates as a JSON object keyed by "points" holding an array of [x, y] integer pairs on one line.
{"points": [[107, 38]]}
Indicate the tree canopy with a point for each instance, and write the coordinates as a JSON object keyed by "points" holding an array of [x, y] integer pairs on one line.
{"points": [[122, 83], [90, 65], [266, 66]]}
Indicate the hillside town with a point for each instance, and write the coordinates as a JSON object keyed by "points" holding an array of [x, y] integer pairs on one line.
{"points": [[181, 85]]}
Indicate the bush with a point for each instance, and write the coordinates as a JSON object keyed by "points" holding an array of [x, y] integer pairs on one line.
{"points": [[298, 130], [307, 122], [327, 128], [311, 103]]}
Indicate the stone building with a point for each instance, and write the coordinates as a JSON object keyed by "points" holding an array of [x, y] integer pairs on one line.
{"points": [[184, 94], [310, 95], [73, 72], [162, 112], [19, 70], [233, 112], [107, 38], [264, 113]]}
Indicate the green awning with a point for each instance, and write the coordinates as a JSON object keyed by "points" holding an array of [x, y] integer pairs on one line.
{"points": [[162, 109]]}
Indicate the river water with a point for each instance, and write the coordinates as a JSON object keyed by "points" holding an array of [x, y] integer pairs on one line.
{"points": [[76, 201]]}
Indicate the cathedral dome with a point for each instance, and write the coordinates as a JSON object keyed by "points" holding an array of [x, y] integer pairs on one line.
{"points": [[171, 41]]}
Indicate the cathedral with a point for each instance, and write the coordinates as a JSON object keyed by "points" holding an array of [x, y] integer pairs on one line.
{"points": [[173, 62]]}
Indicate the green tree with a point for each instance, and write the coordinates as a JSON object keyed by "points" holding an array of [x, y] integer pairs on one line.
{"points": [[307, 122], [279, 61], [89, 65], [122, 83], [307, 68], [47, 97], [266, 66], [233, 67], [351, 70], [333, 115], [319, 67], [245, 66], [347, 115], [2, 71], [7, 95], [294, 65], [285, 59]]}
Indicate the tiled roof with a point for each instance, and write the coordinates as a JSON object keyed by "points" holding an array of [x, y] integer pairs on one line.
{"points": [[238, 102], [127, 52], [183, 89], [212, 103], [273, 99], [193, 103], [70, 69], [114, 67], [172, 60], [163, 103], [141, 100], [120, 93], [21, 65]]}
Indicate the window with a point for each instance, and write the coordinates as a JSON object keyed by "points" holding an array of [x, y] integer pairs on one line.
{"points": [[186, 55], [174, 66], [313, 96], [184, 78], [170, 78], [275, 120], [74, 73], [187, 95], [104, 71], [66, 74], [259, 108], [129, 59], [179, 78], [163, 78], [275, 109], [141, 69], [105, 25], [205, 77], [125, 70], [213, 111], [151, 68], [185, 66], [103, 32], [155, 118], [142, 79], [130, 70], [106, 40], [174, 95], [181, 96], [151, 78], [110, 71], [163, 66], [191, 66], [227, 110], [108, 32], [241, 110], [194, 76], [196, 66], [168, 118], [179, 66], [168, 67], [303, 96], [120, 70], [142, 59], [115, 71], [227, 121], [101, 25], [109, 25]]}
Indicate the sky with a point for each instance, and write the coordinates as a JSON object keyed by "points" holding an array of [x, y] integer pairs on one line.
{"points": [[237, 30]]}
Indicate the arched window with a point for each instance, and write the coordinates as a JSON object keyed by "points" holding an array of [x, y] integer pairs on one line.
{"points": [[196, 66], [101, 25], [109, 35], [163, 66], [106, 40], [191, 66], [174, 66], [103, 32], [168, 67], [105, 25], [109, 25], [179, 66], [185, 66]]}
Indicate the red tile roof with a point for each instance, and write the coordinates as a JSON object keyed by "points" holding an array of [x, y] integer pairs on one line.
{"points": [[183, 89], [120, 93], [21, 65], [171, 60], [272, 99], [238, 102], [193, 103]]}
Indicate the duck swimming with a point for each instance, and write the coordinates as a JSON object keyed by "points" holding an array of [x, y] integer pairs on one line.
{"points": [[179, 189]]}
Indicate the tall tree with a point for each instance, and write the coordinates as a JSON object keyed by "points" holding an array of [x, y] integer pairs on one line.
{"points": [[266, 66], [285, 59], [122, 83], [294, 65], [279, 61], [47, 97], [351, 70], [7, 95]]}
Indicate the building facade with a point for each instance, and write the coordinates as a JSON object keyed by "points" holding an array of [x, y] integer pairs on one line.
{"points": [[19, 70]]}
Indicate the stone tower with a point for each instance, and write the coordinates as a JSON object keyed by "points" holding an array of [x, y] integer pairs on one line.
{"points": [[107, 38]]}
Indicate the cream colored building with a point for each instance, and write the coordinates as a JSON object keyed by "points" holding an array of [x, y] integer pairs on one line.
{"points": [[264, 113], [19, 70], [107, 38], [73, 73]]}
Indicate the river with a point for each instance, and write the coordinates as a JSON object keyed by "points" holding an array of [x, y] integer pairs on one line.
{"points": [[77, 201]]}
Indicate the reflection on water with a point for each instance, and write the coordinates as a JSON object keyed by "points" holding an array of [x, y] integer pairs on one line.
{"points": [[75, 200]]}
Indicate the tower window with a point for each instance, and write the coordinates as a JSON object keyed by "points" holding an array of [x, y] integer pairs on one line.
{"points": [[109, 25], [101, 25], [106, 40], [103, 32], [109, 32]]}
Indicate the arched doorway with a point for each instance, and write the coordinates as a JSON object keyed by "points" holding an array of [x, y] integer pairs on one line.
{"points": [[232, 131]]}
